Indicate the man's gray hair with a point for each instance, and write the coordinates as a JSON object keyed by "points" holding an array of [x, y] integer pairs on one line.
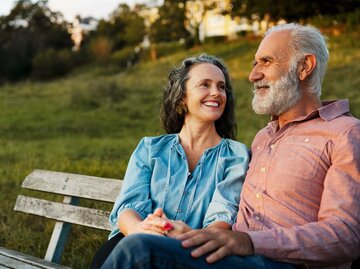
{"points": [[307, 40]]}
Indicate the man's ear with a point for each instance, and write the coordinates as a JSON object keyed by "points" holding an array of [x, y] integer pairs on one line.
{"points": [[307, 65]]}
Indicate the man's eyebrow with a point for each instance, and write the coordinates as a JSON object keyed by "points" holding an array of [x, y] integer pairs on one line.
{"points": [[263, 59], [266, 58]]}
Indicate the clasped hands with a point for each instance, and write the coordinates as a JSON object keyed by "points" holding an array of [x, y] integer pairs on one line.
{"points": [[212, 241]]}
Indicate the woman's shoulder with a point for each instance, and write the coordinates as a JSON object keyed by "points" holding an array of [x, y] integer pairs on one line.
{"points": [[160, 141]]}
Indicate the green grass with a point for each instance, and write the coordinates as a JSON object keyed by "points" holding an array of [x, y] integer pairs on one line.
{"points": [[90, 121]]}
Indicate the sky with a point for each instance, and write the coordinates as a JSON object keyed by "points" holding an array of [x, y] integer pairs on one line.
{"points": [[70, 8]]}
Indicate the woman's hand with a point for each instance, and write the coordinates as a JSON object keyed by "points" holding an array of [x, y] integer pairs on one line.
{"points": [[158, 222], [141, 227], [130, 222]]}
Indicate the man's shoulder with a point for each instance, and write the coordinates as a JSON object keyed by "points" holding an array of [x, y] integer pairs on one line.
{"points": [[344, 123]]}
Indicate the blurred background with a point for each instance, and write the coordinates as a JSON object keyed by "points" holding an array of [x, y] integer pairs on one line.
{"points": [[81, 83]]}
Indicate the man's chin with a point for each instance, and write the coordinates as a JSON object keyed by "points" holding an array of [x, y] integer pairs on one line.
{"points": [[261, 111]]}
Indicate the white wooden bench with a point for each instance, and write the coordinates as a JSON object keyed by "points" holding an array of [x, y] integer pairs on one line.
{"points": [[72, 187]]}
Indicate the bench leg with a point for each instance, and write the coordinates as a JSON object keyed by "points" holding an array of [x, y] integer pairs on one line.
{"points": [[59, 236]]}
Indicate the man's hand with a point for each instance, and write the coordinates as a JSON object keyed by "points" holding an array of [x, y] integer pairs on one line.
{"points": [[219, 243]]}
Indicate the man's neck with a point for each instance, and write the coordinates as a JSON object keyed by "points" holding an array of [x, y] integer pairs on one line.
{"points": [[302, 108]]}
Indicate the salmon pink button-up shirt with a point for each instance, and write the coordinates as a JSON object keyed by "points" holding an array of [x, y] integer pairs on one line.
{"points": [[300, 202]]}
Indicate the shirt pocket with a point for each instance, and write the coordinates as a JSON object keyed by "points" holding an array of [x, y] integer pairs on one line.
{"points": [[299, 156]]}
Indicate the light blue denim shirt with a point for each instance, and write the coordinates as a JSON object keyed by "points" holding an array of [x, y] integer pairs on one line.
{"points": [[158, 176]]}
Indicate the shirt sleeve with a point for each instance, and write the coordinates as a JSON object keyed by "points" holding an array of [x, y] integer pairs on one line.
{"points": [[335, 237], [224, 204], [135, 191]]}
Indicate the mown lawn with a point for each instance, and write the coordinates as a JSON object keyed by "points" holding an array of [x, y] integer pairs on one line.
{"points": [[90, 121]]}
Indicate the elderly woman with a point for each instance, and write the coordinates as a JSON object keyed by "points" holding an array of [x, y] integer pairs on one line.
{"points": [[193, 174]]}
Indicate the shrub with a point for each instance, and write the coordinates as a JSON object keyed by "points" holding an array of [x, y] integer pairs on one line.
{"points": [[101, 48], [51, 63], [124, 57], [163, 49], [97, 93]]}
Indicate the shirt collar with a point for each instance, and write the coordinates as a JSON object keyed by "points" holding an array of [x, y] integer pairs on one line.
{"points": [[329, 111], [333, 109]]}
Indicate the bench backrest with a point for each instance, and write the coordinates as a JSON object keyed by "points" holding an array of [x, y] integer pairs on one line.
{"points": [[73, 187]]}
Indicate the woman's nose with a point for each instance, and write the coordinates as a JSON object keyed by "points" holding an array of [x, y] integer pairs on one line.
{"points": [[214, 91]]}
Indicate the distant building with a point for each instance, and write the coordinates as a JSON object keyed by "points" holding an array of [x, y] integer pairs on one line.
{"points": [[80, 27], [216, 22], [223, 25], [149, 14]]}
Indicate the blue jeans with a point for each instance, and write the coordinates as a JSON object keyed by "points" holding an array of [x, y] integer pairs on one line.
{"points": [[143, 251]]}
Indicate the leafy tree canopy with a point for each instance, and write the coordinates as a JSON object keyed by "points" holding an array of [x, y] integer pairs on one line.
{"points": [[292, 10], [27, 30], [170, 24], [124, 28]]}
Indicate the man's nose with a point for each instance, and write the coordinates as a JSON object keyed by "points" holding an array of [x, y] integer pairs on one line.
{"points": [[255, 75]]}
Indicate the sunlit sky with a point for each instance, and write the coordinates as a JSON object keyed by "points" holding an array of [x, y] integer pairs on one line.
{"points": [[70, 8]]}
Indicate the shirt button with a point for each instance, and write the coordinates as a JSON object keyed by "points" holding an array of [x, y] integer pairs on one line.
{"points": [[257, 217], [306, 140], [272, 146], [258, 147], [257, 195], [263, 169], [179, 210]]}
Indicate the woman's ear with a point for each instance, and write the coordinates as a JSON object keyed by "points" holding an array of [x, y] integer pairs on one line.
{"points": [[307, 65]]}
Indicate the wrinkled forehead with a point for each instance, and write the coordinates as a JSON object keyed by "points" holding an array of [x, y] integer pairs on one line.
{"points": [[275, 45]]}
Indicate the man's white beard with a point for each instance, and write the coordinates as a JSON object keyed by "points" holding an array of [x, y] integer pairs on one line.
{"points": [[280, 95]]}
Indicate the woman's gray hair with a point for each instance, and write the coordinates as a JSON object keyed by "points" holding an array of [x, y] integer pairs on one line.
{"points": [[173, 111], [307, 40]]}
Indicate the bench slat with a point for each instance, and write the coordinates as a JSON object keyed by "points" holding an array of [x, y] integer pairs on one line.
{"points": [[97, 188], [64, 212], [13, 259]]}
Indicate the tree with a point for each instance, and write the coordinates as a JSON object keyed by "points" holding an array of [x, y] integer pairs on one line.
{"points": [[195, 13], [124, 28], [29, 29], [292, 10], [170, 24]]}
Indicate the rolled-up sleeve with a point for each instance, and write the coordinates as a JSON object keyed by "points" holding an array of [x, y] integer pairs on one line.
{"points": [[135, 191], [232, 169]]}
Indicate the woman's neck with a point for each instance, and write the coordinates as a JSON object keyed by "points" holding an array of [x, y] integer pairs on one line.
{"points": [[199, 136]]}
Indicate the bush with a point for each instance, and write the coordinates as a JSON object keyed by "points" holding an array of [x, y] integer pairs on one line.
{"points": [[124, 57], [215, 39], [101, 48], [51, 63], [164, 49], [97, 93]]}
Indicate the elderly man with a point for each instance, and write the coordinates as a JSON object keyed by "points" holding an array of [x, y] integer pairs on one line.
{"points": [[300, 204]]}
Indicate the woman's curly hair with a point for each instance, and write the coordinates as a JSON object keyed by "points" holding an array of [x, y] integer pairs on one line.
{"points": [[175, 90]]}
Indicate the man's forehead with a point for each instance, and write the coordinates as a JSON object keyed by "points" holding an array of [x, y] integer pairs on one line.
{"points": [[275, 45]]}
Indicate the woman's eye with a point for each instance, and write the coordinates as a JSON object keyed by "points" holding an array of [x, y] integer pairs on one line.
{"points": [[222, 87], [204, 84]]}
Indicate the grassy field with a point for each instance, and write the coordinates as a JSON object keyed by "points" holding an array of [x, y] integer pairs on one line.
{"points": [[90, 121]]}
